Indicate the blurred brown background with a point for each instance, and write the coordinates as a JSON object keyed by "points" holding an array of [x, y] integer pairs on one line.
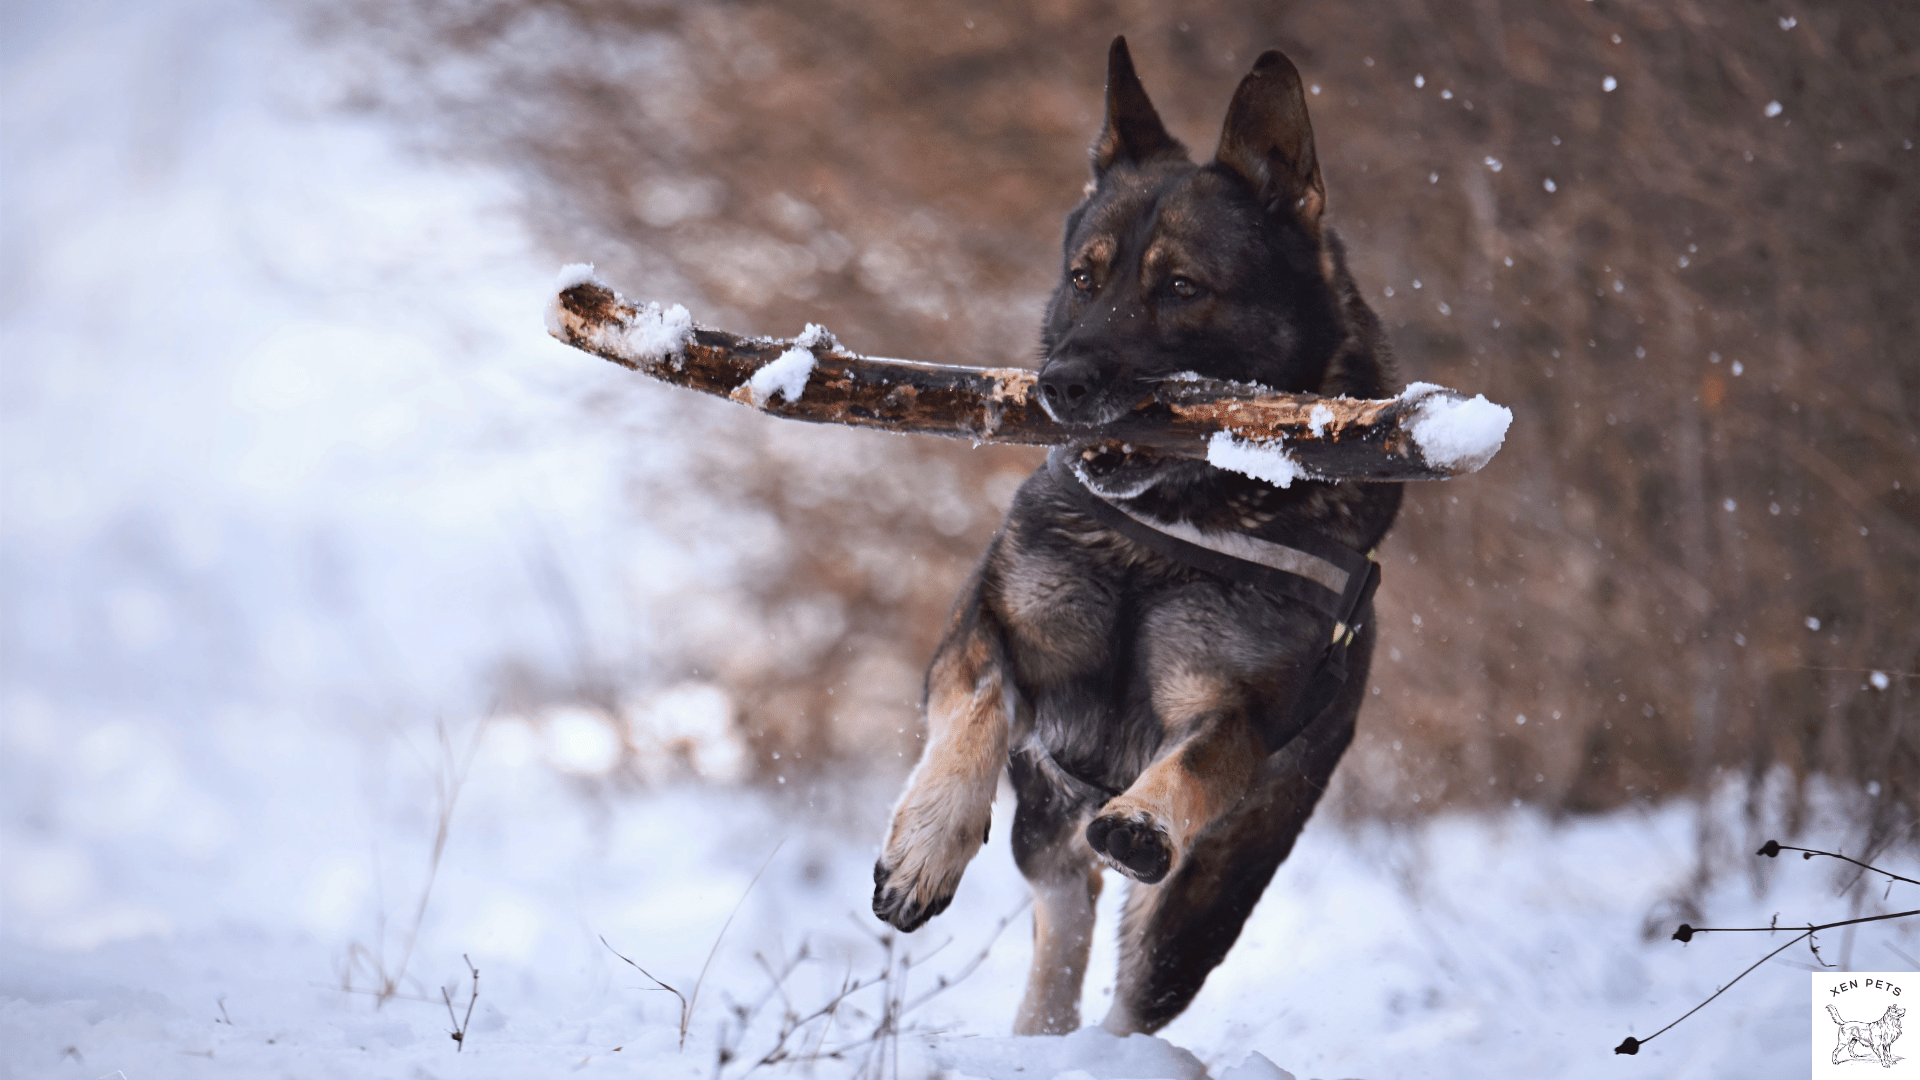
{"points": [[1679, 240]]}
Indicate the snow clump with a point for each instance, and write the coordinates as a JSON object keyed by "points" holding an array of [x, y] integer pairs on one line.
{"points": [[570, 275], [575, 274], [787, 374], [1090, 1052], [1256, 1066], [816, 336], [657, 333], [654, 334], [1454, 433], [1318, 419], [1262, 461]]}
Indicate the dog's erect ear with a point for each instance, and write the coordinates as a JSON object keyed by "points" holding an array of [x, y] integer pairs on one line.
{"points": [[1133, 133], [1268, 140]]}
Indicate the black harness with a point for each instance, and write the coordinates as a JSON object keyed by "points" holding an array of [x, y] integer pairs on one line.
{"points": [[1331, 578]]}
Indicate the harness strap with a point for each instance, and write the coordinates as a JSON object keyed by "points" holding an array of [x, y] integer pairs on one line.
{"points": [[1331, 578]]}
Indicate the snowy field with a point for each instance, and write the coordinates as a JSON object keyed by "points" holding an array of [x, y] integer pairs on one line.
{"points": [[1466, 948], [281, 427]]}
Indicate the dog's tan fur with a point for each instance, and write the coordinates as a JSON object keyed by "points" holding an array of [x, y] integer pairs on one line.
{"points": [[1062, 939], [943, 817], [1202, 777]]}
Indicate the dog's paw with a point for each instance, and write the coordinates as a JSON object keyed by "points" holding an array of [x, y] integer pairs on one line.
{"points": [[1133, 844], [917, 872], [905, 902]]}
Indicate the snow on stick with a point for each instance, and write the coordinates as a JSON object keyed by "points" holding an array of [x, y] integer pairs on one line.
{"points": [[1427, 433]]}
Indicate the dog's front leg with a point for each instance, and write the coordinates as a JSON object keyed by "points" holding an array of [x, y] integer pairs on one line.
{"points": [[1206, 768], [942, 819]]}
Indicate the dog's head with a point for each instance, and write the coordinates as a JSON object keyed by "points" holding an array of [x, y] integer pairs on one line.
{"points": [[1221, 269]]}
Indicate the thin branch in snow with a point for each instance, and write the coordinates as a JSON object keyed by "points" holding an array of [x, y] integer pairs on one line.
{"points": [[1773, 848], [447, 782], [715, 951], [945, 982], [684, 1014], [687, 1002], [449, 776], [1685, 933], [810, 1037], [460, 1024]]}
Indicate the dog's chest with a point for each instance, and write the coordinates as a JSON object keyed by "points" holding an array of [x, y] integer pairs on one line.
{"points": [[1097, 620]]}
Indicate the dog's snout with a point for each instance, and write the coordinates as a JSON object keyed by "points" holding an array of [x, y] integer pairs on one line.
{"points": [[1066, 384], [1060, 391]]}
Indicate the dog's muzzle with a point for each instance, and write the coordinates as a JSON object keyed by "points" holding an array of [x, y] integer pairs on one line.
{"points": [[1070, 391]]}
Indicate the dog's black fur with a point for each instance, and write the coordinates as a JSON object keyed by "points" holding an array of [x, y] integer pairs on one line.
{"points": [[1127, 692]]}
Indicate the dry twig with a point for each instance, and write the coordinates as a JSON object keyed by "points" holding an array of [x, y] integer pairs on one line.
{"points": [[687, 1003], [460, 1024], [450, 775]]}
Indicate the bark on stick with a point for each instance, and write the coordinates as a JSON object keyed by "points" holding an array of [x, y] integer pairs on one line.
{"points": [[1416, 436]]}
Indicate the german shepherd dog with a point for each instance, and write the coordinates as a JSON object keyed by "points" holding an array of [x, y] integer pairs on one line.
{"points": [[1134, 698]]}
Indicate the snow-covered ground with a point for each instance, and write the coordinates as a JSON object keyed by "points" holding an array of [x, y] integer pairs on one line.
{"points": [[280, 434], [1464, 948]]}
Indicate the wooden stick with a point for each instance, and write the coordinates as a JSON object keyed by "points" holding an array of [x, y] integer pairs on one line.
{"points": [[1328, 438]]}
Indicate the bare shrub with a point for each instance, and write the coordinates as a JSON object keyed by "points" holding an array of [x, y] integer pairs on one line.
{"points": [[860, 1022]]}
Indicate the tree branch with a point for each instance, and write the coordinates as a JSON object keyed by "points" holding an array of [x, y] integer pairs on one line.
{"points": [[1428, 433]]}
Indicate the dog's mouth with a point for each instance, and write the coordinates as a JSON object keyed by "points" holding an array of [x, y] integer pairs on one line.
{"points": [[1082, 391], [1119, 470]]}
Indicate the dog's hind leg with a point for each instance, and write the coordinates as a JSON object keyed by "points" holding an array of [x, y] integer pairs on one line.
{"points": [[1173, 934], [941, 820], [1048, 848]]}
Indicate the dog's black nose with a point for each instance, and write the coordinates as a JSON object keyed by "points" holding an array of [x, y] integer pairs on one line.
{"points": [[1066, 384]]}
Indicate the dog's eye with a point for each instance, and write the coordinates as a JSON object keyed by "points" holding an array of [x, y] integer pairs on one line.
{"points": [[1184, 288], [1081, 280]]}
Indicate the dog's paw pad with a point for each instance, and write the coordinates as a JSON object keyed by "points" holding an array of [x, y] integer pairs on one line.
{"points": [[1133, 844]]}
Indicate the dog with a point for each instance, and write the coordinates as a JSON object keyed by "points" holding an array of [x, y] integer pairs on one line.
{"points": [[1155, 716], [1860, 1040]]}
